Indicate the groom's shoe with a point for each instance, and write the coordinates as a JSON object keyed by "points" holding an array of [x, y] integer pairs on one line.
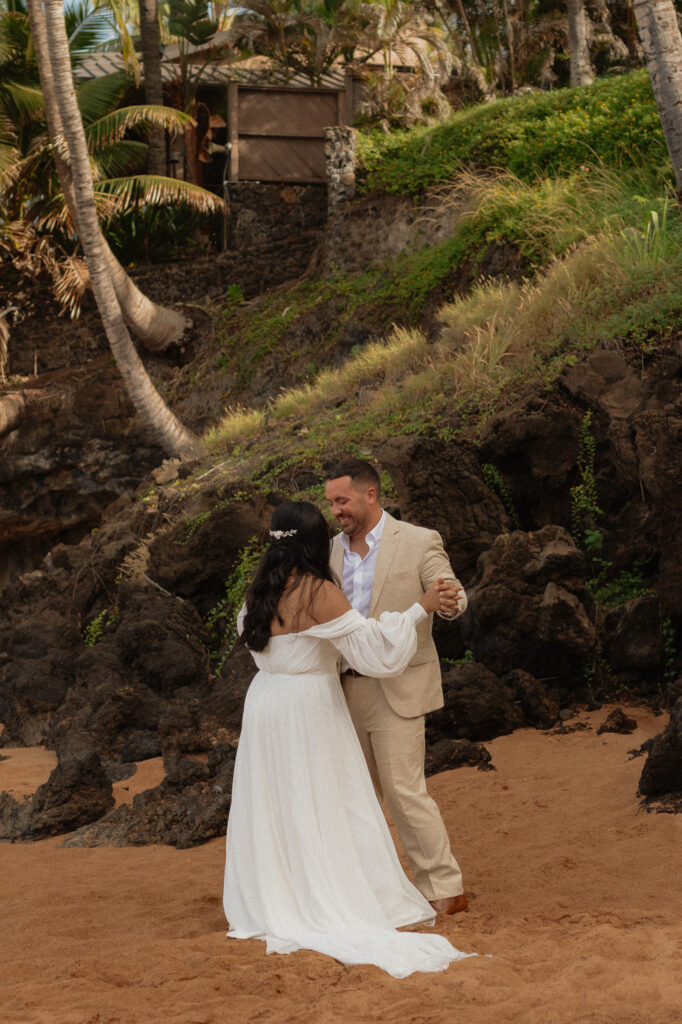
{"points": [[450, 905]]}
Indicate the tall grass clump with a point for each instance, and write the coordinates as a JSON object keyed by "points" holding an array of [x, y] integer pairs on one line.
{"points": [[238, 424], [614, 121], [546, 217], [382, 362]]}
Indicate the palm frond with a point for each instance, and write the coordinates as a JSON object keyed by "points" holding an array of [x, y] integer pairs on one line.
{"points": [[23, 103], [32, 168], [54, 215], [87, 27], [125, 157], [99, 96], [157, 191], [114, 125], [8, 160], [71, 281], [124, 41]]}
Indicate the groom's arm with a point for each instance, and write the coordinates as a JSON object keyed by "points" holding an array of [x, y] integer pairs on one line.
{"points": [[435, 565]]}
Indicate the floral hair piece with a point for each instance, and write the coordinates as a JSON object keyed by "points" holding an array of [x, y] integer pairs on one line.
{"points": [[278, 534]]}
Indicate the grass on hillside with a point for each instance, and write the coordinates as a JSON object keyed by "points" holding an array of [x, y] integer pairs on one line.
{"points": [[622, 285], [614, 121], [541, 221]]}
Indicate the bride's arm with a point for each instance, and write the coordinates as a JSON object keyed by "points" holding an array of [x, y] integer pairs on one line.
{"points": [[329, 602], [377, 648]]}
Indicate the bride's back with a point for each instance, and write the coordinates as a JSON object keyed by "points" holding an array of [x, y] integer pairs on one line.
{"points": [[307, 603]]}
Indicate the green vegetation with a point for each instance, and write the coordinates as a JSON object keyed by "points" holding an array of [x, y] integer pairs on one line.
{"points": [[500, 337], [496, 483], [614, 121], [222, 618], [585, 508], [95, 630]]}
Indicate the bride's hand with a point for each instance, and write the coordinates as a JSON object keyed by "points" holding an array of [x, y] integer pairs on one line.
{"points": [[430, 601]]}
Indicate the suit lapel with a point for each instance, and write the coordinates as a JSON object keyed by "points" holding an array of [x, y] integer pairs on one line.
{"points": [[336, 558], [385, 557]]}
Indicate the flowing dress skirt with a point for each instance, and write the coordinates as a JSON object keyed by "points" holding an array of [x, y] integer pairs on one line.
{"points": [[310, 860]]}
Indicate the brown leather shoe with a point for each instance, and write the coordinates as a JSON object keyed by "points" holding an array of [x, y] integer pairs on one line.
{"points": [[450, 905]]}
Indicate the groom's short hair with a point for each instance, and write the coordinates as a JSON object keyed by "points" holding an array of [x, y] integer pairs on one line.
{"points": [[360, 472]]}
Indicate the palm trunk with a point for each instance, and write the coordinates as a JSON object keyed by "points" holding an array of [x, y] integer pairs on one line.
{"points": [[156, 326], [581, 68], [662, 45], [174, 437], [150, 39]]}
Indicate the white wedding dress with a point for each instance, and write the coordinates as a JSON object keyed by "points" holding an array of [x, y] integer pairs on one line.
{"points": [[310, 860]]}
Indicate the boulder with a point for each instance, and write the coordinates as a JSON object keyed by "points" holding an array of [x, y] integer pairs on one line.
{"points": [[477, 706], [189, 807], [617, 721], [527, 607], [662, 772], [78, 791], [447, 754], [442, 487], [632, 642]]}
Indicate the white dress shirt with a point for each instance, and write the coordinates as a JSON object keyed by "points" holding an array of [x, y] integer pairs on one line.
{"points": [[358, 572]]}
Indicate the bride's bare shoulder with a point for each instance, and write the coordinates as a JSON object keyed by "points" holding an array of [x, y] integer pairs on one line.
{"points": [[328, 602]]}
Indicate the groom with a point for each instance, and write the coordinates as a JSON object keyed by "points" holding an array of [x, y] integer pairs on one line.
{"points": [[386, 565]]}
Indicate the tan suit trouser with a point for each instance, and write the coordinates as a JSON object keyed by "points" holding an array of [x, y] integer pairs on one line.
{"points": [[394, 750]]}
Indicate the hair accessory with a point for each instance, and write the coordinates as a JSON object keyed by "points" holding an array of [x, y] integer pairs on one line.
{"points": [[278, 534]]}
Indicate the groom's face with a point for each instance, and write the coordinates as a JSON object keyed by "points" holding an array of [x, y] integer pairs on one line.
{"points": [[352, 506]]}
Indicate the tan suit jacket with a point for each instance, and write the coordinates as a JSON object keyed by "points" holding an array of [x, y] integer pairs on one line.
{"points": [[409, 560]]}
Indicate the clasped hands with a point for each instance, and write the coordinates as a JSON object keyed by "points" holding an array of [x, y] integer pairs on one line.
{"points": [[445, 597]]}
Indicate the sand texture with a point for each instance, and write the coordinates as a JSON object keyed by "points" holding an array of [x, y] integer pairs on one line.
{"points": [[576, 894]]}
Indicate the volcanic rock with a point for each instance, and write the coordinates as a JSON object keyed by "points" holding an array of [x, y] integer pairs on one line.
{"points": [[662, 772]]}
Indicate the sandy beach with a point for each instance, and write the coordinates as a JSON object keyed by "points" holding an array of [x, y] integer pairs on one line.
{"points": [[576, 897]]}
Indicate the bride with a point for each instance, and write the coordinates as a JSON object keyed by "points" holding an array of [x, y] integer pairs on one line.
{"points": [[310, 860]]}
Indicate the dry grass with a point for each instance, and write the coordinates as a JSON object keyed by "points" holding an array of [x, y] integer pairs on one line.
{"points": [[239, 424], [496, 334]]}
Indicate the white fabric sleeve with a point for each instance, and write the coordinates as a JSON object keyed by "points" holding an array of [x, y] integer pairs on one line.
{"points": [[375, 647], [240, 620]]}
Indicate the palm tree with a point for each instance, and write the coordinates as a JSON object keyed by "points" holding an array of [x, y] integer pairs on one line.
{"points": [[150, 39], [662, 44], [578, 43], [25, 172], [174, 437]]}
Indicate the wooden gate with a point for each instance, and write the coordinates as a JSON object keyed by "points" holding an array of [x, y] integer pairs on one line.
{"points": [[276, 132]]}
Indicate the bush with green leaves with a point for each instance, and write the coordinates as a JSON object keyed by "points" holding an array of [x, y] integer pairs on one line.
{"points": [[614, 121]]}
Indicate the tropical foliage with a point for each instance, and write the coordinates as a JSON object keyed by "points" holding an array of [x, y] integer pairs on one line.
{"points": [[35, 227]]}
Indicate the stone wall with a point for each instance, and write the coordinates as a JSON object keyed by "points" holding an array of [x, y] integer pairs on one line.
{"points": [[379, 227], [262, 213], [339, 151]]}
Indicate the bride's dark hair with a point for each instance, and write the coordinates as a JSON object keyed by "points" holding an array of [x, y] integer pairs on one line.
{"points": [[288, 559]]}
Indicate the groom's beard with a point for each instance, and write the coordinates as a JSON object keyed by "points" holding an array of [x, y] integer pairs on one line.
{"points": [[351, 524]]}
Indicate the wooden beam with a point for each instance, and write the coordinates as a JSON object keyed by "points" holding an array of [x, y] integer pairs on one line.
{"points": [[233, 129]]}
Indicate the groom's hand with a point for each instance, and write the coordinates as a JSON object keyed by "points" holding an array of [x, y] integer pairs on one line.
{"points": [[450, 594]]}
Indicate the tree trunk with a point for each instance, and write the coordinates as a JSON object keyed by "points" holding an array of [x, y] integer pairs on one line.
{"points": [[510, 44], [581, 68], [174, 437], [150, 39], [156, 326], [469, 34], [662, 45], [474, 72]]}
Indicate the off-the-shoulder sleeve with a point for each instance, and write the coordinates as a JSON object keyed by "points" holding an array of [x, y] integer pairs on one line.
{"points": [[375, 647]]}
